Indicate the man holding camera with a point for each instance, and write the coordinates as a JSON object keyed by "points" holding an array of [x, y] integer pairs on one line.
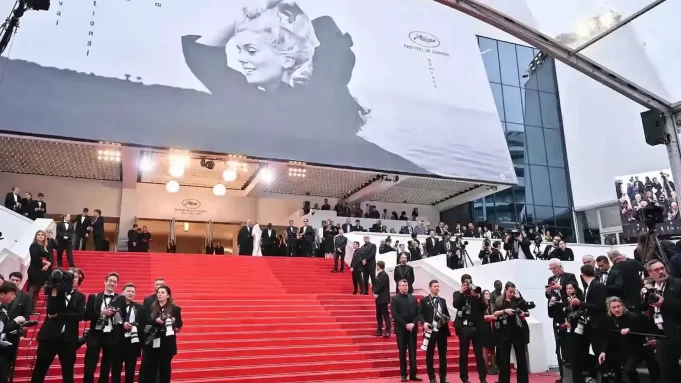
{"points": [[128, 337], [435, 317], [100, 312], [469, 318], [8, 291], [59, 333]]}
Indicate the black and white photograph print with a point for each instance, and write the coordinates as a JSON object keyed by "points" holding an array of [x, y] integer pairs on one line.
{"points": [[373, 84]]}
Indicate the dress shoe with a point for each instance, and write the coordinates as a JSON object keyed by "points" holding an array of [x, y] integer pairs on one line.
{"points": [[404, 379], [444, 380], [379, 333], [433, 380], [386, 334], [415, 378]]}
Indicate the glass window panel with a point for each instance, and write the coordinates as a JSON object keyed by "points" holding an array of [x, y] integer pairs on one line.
{"points": [[490, 58], [478, 211], [498, 100], [509, 64], [528, 212], [563, 216], [519, 192], [520, 173], [546, 77], [515, 138], [525, 57], [504, 206], [541, 191], [536, 148], [529, 194], [559, 187], [554, 148], [544, 215], [513, 106], [549, 110], [610, 217], [567, 233], [532, 108]]}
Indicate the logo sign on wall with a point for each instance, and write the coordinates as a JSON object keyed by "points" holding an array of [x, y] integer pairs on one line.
{"points": [[191, 208], [419, 104]]}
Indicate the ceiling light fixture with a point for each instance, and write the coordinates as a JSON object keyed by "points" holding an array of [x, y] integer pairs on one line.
{"points": [[172, 186], [176, 171], [229, 175], [219, 190], [109, 155], [267, 175], [146, 163], [297, 172]]}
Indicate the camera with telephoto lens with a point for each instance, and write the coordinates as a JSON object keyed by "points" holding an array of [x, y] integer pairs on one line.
{"points": [[426, 340], [59, 280], [460, 243], [538, 240], [23, 327], [486, 242], [650, 294], [103, 320], [472, 288], [133, 334]]}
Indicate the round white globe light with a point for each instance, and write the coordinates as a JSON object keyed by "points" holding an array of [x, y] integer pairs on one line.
{"points": [[176, 171], [219, 190], [172, 186], [229, 175]]}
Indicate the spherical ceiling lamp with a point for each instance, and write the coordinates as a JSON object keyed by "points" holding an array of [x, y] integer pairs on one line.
{"points": [[176, 171], [229, 175], [219, 190], [172, 186]]}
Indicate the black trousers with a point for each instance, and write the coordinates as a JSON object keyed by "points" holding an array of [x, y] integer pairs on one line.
{"points": [[439, 340], [65, 246], [94, 348], [579, 353], [464, 345], [6, 360], [560, 339], [156, 365], [99, 242], [369, 271], [515, 340], [124, 354], [305, 248], [336, 257], [357, 284], [81, 241], [406, 343], [668, 353], [382, 315], [45, 354], [268, 251], [292, 247]]}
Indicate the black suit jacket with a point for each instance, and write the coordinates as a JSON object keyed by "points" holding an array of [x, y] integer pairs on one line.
{"points": [[82, 227], [267, 238], [477, 311], [10, 203], [564, 279], [148, 301], [35, 214], [20, 306], [97, 226], [404, 272], [291, 232], [594, 302], [64, 235], [68, 316], [176, 312], [426, 312], [245, 238], [347, 228], [432, 246], [308, 233], [671, 309], [119, 331], [382, 288], [339, 244], [631, 291], [369, 253], [356, 262], [614, 283], [405, 310], [93, 308]]}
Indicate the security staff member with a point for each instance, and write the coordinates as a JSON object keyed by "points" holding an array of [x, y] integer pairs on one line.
{"points": [[469, 318], [59, 333], [435, 317], [404, 272], [405, 312]]}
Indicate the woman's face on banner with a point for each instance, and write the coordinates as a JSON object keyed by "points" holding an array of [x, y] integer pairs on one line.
{"points": [[259, 62]]}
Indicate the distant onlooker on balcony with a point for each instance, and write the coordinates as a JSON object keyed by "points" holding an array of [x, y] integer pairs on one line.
{"points": [[98, 231], [133, 239], [421, 228], [82, 229], [64, 239], [403, 216], [357, 226], [407, 229], [38, 208], [26, 204], [325, 205], [13, 201], [144, 240]]}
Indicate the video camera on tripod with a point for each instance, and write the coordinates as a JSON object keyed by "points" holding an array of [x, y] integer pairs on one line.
{"points": [[459, 242], [651, 215], [60, 280]]}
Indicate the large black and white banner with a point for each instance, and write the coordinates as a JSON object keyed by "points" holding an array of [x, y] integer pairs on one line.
{"points": [[373, 84]]}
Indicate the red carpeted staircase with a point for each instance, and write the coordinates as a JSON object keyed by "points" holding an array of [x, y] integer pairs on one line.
{"points": [[253, 319]]}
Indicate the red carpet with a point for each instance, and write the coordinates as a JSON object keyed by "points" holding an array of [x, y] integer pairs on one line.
{"points": [[254, 319]]}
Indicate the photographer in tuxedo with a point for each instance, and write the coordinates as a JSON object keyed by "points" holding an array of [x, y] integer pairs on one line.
{"points": [[100, 311], [64, 237], [512, 331], [128, 337], [434, 315], [368, 251], [404, 272], [663, 302], [161, 326], [339, 244], [405, 312], [8, 291], [59, 333], [469, 319]]}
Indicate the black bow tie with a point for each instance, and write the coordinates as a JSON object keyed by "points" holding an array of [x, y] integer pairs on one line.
{"points": [[108, 296]]}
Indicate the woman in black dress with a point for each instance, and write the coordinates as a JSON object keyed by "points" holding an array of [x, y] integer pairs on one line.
{"points": [[487, 336], [41, 265]]}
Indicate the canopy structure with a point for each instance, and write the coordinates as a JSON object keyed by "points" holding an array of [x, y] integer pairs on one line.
{"points": [[573, 32]]}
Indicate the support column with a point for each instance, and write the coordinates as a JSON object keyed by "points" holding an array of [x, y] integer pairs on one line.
{"points": [[673, 146], [128, 211]]}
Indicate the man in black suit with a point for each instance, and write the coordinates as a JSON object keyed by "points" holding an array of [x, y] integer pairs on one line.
{"points": [[38, 207], [356, 268], [432, 244], [357, 226], [434, 315], [339, 244], [630, 269], [98, 231], [347, 226], [133, 238], [469, 321], [148, 301], [291, 240], [128, 337], [307, 238], [20, 307], [407, 229], [368, 263], [555, 289], [219, 249], [245, 239], [82, 229], [666, 314], [612, 279], [268, 241], [100, 312], [594, 309], [64, 238], [13, 200], [8, 291], [59, 333], [404, 272], [405, 312], [382, 296]]}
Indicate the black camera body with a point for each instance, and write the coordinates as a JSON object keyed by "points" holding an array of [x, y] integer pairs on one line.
{"points": [[651, 296], [460, 243], [60, 280], [472, 288]]}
